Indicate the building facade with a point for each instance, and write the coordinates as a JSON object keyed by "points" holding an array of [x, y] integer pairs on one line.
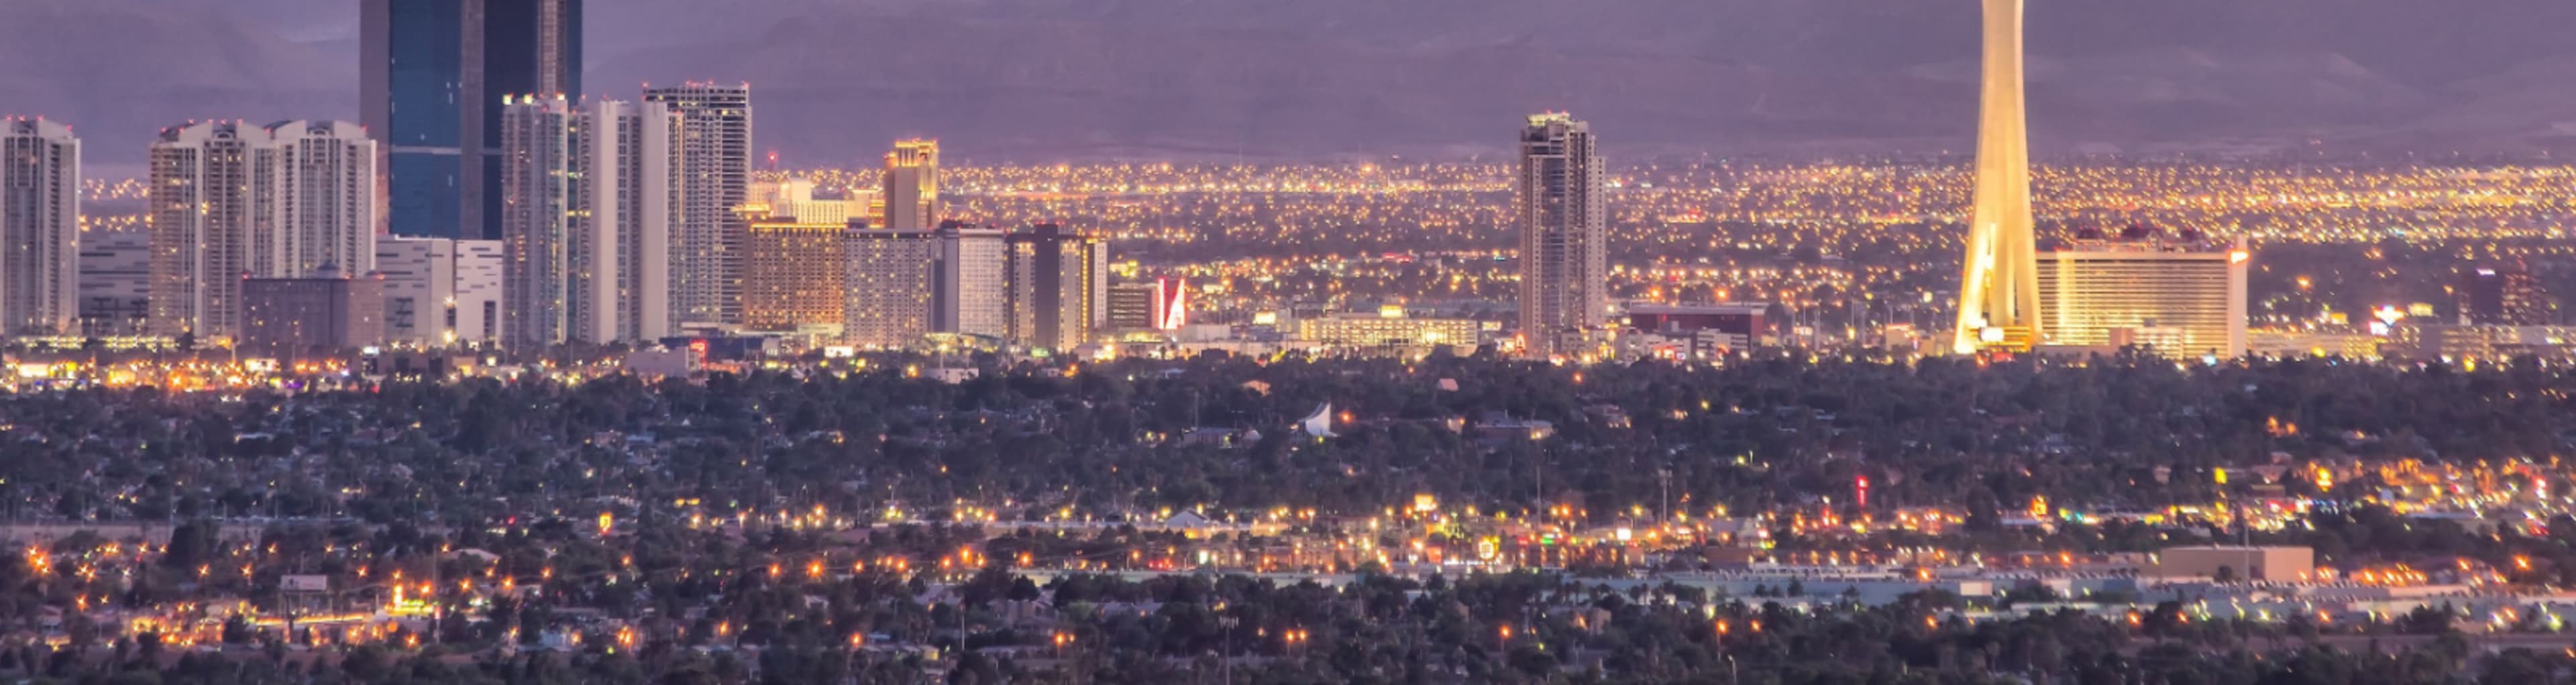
{"points": [[476, 318], [968, 289], [40, 200], [1559, 206], [323, 313], [1388, 330], [2180, 298], [1694, 331], [1162, 304], [2504, 296], [431, 75], [115, 283], [793, 200], [201, 211], [577, 196], [886, 284], [314, 199], [911, 194], [1059, 287], [794, 275], [229, 202], [440, 292], [419, 277], [711, 176]]}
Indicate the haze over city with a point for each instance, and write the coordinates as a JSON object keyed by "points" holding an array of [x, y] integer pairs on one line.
{"points": [[1067, 81]]}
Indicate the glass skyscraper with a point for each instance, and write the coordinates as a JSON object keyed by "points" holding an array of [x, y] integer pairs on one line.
{"points": [[431, 77]]}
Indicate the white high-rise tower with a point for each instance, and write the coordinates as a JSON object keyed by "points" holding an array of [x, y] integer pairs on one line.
{"points": [[314, 198], [712, 159], [585, 220], [40, 194], [201, 215], [1999, 286], [231, 202]]}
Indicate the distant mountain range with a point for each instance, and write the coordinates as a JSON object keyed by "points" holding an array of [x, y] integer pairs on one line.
{"points": [[1074, 79]]}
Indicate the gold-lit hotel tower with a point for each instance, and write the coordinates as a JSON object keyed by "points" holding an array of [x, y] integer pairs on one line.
{"points": [[911, 194], [1999, 291]]}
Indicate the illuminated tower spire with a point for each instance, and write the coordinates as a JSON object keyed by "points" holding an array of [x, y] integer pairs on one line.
{"points": [[1999, 290]]}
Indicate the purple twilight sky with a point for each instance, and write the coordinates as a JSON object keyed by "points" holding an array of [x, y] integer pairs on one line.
{"points": [[1086, 79]]}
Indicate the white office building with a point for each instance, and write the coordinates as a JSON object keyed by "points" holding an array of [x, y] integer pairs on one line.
{"points": [[712, 176], [582, 222], [969, 294], [40, 194], [479, 264]]}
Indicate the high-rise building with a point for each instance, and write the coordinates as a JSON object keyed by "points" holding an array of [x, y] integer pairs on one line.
{"points": [[431, 75], [40, 194], [1998, 288], [967, 292], [1059, 287], [540, 168], [201, 211], [229, 202], [2504, 296], [576, 196], [712, 175], [2181, 298], [647, 161], [115, 283], [793, 277], [911, 193], [887, 277], [324, 312], [313, 199], [1560, 206]]}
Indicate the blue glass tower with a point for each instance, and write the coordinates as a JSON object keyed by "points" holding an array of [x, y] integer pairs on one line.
{"points": [[431, 77]]}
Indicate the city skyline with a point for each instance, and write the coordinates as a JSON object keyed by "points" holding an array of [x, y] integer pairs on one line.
{"points": [[1323, 341], [2218, 78]]}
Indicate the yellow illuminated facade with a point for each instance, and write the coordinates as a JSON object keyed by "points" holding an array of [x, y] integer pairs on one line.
{"points": [[2179, 301], [911, 194], [1999, 304], [1359, 331], [793, 275]]}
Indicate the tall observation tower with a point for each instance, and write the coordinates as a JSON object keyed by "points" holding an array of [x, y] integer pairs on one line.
{"points": [[1999, 289]]}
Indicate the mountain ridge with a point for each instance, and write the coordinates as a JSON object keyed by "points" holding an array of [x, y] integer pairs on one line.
{"points": [[1057, 79]]}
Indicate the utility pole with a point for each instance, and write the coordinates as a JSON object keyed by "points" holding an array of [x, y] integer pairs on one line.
{"points": [[1664, 478], [1225, 661]]}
